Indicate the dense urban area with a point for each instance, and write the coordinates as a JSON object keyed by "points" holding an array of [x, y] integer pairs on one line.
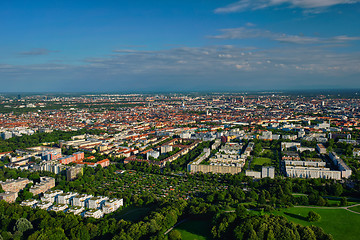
{"points": [[267, 165]]}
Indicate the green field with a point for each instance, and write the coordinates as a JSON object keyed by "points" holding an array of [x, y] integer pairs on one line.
{"points": [[256, 163], [340, 223], [131, 214], [195, 230], [356, 209]]}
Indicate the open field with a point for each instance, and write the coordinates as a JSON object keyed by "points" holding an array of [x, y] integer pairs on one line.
{"points": [[256, 163], [195, 230], [340, 223]]}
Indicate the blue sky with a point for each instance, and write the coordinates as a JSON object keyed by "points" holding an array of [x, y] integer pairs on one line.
{"points": [[202, 45]]}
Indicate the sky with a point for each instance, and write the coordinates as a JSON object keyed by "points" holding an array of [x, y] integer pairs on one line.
{"points": [[173, 46]]}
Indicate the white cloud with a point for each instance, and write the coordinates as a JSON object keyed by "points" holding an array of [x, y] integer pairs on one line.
{"points": [[211, 67], [245, 5], [247, 33]]}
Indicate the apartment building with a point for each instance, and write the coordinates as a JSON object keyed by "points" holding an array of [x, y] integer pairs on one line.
{"points": [[45, 184]]}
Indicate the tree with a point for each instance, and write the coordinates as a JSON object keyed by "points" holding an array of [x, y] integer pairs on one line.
{"points": [[336, 189], [22, 225], [241, 210], [313, 216], [344, 201], [270, 235], [175, 235]]}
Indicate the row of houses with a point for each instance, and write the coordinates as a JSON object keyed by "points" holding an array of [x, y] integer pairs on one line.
{"points": [[69, 202], [13, 186]]}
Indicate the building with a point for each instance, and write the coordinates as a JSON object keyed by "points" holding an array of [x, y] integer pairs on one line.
{"points": [[166, 148], [320, 148], [303, 149], [75, 210], [44, 205], [316, 168], [265, 172], [79, 156], [356, 152], [96, 202], [67, 159], [9, 197], [112, 205], [313, 162], [29, 203], [292, 156], [73, 172], [345, 170], [287, 145], [213, 168], [312, 172], [268, 172], [65, 198], [51, 196], [6, 135], [81, 200], [95, 213], [59, 207], [14, 185], [154, 154], [103, 163], [45, 184]]}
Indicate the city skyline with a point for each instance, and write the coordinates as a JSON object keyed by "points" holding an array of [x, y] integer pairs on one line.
{"points": [[179, 46]]}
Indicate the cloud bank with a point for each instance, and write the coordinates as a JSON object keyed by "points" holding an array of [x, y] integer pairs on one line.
{"points": [[192, 69], [245, 5], [247, 33]]}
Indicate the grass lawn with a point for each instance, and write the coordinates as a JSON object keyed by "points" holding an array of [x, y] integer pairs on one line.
{"points": [[195, 230], [131, 213], [356, 209], [256, 163], [341, 224]]}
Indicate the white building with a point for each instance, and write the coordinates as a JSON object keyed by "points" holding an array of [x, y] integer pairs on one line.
{"points": [[75, 210], [287, 145], [65, 198], [345, 170], [312, 172], [95, 213], [268, 172], [96, 202], [29, 202], [44, 205], [81, 200], [111, 205], [50, 196], [154, 154], [59, 207]]}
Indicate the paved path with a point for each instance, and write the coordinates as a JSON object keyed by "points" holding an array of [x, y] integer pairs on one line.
{"points": [[345, 207], [178, 223]]}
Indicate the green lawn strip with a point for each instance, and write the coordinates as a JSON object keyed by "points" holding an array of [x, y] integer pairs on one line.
{"points": [[256, 163], [340, 223], [261, 161], [195, 230]]}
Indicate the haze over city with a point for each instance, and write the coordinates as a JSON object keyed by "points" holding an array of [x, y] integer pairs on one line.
{"points": [[200, 45]]}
